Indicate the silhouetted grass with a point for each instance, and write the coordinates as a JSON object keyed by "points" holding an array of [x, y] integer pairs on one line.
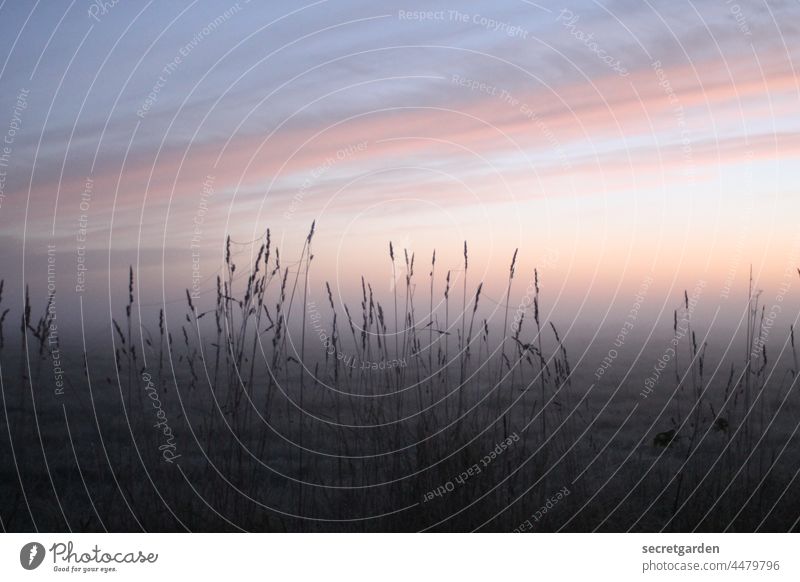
{"points": [[277, 434]]}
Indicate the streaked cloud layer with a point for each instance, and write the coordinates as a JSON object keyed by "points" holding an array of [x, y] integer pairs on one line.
{"points": [[598, 130]]}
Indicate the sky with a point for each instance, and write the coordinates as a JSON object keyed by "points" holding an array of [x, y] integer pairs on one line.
{"points": [[608, 141]]}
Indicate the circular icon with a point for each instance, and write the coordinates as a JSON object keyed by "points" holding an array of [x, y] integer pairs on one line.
{"points": [[31, 555]]}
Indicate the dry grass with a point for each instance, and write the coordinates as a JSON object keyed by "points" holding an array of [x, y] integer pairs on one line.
{"points": [[277, 434]]}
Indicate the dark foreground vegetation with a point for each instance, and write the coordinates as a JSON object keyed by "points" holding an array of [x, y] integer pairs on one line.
{"points": [[271, 410]]}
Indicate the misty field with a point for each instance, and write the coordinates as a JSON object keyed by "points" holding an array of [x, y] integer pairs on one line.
{"points": [[277, 406]]}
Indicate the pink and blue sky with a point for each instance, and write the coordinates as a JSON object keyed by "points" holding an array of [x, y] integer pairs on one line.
{"points": [[606, 140]]}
